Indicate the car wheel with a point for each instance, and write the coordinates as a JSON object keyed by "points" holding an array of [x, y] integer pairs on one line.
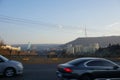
{"points": [[86, 77], [9, 72]]}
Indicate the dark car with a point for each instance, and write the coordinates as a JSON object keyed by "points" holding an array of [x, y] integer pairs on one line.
{"points": [[88, 69]]}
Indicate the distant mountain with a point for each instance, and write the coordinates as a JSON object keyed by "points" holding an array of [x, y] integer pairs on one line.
{"points": [[38, 46], [103, 41]]}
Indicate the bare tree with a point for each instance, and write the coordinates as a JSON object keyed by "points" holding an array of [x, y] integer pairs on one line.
{"points": [[2, 43]]}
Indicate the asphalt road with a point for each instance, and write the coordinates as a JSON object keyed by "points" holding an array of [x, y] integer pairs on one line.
{"points": [[38, 72]]}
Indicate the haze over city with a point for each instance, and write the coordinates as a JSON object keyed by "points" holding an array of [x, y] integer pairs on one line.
{"points": [[57, 21]]}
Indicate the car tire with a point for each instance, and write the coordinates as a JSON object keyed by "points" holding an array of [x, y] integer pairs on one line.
{"points": [[9, 72], [86, 77]]}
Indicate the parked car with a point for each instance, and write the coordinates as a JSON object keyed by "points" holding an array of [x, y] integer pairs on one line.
{"points": [[9, 68], [88, 68]]}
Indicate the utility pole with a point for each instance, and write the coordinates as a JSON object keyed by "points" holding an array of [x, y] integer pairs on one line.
{"points": [[85, 32]]}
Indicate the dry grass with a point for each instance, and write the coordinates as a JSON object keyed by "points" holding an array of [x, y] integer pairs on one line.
{"points": [[44, 60], [40, 60]]}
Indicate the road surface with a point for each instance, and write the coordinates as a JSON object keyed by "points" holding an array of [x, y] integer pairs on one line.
{"points": [[38, 72]]}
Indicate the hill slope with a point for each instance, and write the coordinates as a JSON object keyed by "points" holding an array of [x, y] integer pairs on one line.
{"points": [[103, 41]]}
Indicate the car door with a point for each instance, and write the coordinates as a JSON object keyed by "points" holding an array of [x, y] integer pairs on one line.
{"points": [[2, 63], [102, 69]]}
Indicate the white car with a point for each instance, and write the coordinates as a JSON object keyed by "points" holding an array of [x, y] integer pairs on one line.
{"points": [[9, 68]]}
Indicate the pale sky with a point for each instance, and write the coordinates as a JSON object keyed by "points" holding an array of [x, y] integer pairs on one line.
{"points": [[57, 21]]}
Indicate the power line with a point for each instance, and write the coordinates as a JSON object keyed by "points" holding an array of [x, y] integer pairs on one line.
{"points": [[13, 20], [21, 21]]}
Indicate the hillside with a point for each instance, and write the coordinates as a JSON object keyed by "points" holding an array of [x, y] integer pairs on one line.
{"points": [[103, 41]]}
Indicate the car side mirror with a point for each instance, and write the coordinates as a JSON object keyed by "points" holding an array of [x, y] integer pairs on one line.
{"points": [[115, 67]]}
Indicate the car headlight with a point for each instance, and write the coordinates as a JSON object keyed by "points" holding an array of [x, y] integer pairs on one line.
{"points": [[20, 65]]}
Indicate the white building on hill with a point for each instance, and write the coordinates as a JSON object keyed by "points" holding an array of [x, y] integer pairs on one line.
{"points": [[11, 48], [78, 49]]}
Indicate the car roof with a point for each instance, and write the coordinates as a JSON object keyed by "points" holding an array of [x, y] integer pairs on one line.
{"points": [[91, 58], [83, 59]]}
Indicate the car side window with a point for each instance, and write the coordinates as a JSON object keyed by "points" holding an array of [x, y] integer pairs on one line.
{"points": [[1, 60], [100, 63]]}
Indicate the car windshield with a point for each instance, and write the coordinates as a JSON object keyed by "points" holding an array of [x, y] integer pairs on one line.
{"points": [[3, 58]]}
